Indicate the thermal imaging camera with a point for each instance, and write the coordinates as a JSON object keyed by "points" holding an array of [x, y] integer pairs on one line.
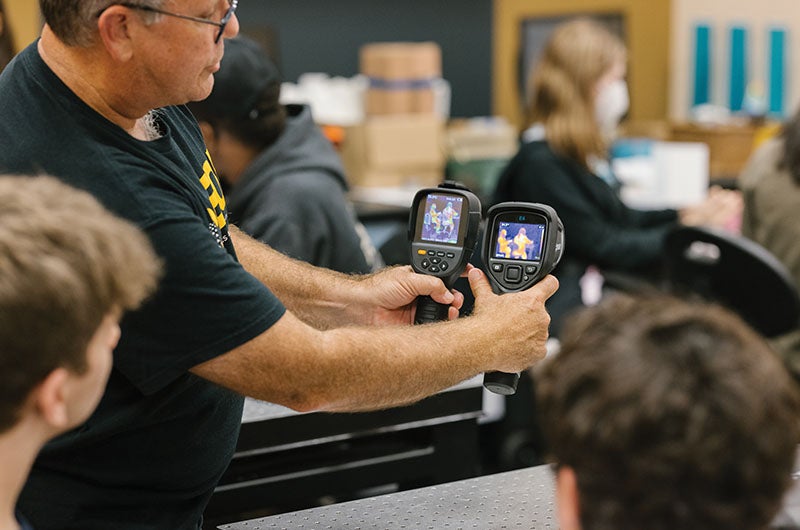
{"points": [[443, 230], [522, 244]]}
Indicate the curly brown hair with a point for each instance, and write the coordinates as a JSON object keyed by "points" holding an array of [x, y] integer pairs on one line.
{"points": [[672, 415]]}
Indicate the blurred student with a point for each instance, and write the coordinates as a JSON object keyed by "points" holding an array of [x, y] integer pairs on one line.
{"points": [[68, 270], [770, 184], [579, 95], [662, 414], [285, 182]]}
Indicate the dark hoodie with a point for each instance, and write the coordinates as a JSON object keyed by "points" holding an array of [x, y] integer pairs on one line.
{"points": [[293, 197]]}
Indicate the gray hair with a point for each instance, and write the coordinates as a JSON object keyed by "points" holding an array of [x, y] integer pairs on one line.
{"points": [[75, 21]]}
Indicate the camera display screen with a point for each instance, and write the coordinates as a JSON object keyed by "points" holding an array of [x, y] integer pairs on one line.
{"points": [[441, 218], [521, 241]]}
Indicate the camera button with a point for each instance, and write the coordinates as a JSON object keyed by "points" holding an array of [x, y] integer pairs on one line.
{"points": [[497, 267], [513, 273]]}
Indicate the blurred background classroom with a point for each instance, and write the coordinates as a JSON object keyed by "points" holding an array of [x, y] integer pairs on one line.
{"points": [[412, 93]]}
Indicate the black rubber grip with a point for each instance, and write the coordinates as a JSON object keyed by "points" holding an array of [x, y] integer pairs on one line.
{"points": [[501, 382], [430, 311]]}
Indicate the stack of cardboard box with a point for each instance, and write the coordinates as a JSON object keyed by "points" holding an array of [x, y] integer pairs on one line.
{"points": [[478, 150], [401, 140], [401, 77]]}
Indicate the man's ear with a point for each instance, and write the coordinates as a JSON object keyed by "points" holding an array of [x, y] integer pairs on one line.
{"points": [[50, 399], [114, 26], [568, 499]]}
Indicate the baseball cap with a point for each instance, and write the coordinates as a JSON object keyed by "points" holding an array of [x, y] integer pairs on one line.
{"points": [[245, 71]]}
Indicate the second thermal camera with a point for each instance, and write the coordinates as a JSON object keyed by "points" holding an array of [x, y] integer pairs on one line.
{"points": [[522, 244]]}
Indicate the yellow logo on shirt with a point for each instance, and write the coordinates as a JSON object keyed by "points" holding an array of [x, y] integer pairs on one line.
{"points": [[210, 183]]}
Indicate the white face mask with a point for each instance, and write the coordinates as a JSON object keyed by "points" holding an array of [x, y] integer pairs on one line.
{"points": [[611, 105]]}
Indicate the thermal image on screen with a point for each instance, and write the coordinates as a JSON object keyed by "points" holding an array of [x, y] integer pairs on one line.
{"points": [[519, 241], [442, 217]]}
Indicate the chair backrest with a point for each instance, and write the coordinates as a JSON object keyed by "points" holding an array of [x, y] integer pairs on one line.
{"points": [[735, 272]]}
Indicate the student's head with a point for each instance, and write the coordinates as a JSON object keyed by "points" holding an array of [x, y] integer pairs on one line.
{"points": [[68, 269], [578, 90], [663, 414], [243, 106]]}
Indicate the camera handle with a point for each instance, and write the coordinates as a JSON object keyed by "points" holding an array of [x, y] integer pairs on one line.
{"points": [[501, 383], [429, 310]]}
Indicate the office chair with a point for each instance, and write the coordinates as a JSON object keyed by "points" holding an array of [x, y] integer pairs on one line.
{"points": [[735, 272], [699, 263]]}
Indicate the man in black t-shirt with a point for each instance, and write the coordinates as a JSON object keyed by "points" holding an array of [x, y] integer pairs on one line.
{"points": [[98, 102]]}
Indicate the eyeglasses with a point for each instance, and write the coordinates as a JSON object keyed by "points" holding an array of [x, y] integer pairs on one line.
{"points": [[221, 24]]}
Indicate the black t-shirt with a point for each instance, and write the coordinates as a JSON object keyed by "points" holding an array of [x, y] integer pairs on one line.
{"points": [[23, 523], [151, 454]]}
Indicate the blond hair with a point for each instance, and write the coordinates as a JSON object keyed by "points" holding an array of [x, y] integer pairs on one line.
{"points": [[65, 263], [562, 85]]}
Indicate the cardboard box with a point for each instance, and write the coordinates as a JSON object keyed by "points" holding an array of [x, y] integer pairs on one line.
{"points": [[396, 150], [481, 138], [478, 151], [379, 102], [401, 61], [398, 178], [401, 77], [730, 146]]}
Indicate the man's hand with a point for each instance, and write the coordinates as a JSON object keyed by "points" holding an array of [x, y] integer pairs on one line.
{"points": [[521, 319], [393, 293]]}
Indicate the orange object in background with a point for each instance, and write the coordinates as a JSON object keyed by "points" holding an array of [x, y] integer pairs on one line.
{"points": [[334, 133]]}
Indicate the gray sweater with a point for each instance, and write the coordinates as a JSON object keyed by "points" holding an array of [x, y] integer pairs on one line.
{"points": [[293, 197]]}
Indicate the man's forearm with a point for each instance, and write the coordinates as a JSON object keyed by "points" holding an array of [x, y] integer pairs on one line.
{"points": [[318, 296], [354, 368]]}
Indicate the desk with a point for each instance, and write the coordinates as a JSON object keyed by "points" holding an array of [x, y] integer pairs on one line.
{"points": [[288, 461], [523, 499]]}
